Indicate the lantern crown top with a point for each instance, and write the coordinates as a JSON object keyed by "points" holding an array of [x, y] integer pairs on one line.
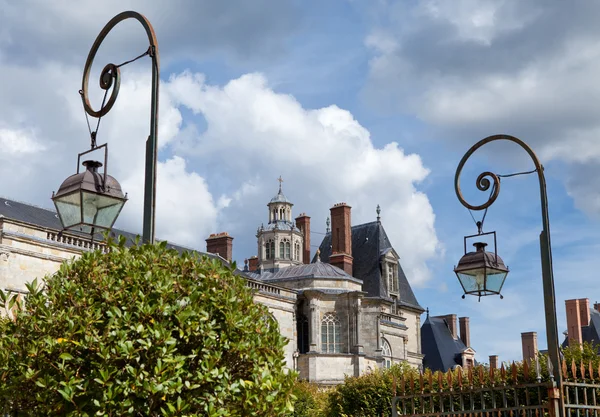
{"points": [[480, 246]]}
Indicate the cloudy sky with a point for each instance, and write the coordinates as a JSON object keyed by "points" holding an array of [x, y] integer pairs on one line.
{"points": [[366, 102]]}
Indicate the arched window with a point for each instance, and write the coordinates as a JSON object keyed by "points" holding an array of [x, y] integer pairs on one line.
{"points": [[274, 215], [331, 341], [297, 251], [303, 335], [386, 352], [281, 249], [287, 250], [270, 249]]}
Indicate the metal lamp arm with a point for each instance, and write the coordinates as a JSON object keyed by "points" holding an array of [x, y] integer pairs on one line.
{"points": [[110, 72], [483, 183]]}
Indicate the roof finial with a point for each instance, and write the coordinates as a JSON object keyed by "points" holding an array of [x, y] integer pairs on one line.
{"points": [[327, 223], [427, 312], [378, 210], [280, 181], [318, 255]]}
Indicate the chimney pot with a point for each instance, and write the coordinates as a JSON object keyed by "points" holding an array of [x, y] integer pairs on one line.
{"points": [[494, 361], [220, 244], [252, 263], [341, 237], [584, 311], [574, 321], [303, 223], [529, 345], [465, 331]]}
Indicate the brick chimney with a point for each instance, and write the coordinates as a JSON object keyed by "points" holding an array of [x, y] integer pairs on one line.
{"points": [[584, 311], [530, 346], [573, 321], [341, 237], [494, 361], [303, 223], [252, 263], [220, 244], [451, 323], [465, 332]]}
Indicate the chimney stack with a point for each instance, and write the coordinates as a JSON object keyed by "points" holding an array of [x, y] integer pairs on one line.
{"points": [[530, 347], [341, 237], [597, 306], [303, 223], [494, 361], [584, 311], [465, 332], [573, 321], [220, 244], [451, 323], [252, 263]]}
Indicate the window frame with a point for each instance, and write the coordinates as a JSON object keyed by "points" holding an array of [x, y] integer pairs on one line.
{"points": [[331, 338]]}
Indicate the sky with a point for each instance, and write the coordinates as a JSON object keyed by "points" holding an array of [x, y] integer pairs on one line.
{"points": [[364, 102]]}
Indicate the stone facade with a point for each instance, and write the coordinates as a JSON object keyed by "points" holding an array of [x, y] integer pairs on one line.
{"points": [[338, 320]]}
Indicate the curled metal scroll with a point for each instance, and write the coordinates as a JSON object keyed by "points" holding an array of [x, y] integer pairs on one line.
{"points": [[110, 76], [485, 179]]}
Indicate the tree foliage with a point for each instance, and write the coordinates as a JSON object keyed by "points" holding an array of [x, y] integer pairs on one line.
{"points": [[142, 331]]}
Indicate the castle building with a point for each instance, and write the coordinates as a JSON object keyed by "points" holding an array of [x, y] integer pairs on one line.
{"points": [[347, 310]]}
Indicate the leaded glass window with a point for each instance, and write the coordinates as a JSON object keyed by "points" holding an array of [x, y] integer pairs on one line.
{"points": [[386, 352], [330, 334]]}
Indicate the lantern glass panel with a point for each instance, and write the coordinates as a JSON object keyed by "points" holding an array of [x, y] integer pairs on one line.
{"points": [[69, 208], [472, 280], [495, 279], [100, 210]]}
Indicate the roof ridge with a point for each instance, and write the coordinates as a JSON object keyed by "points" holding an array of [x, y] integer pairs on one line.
{"points": [[27, 204]]}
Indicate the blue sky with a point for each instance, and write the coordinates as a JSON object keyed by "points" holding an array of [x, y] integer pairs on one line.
{"points": [[367, 102]]}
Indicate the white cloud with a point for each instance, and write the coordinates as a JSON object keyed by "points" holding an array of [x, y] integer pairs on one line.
{"points": [[325, 153], [473, 67], [185, 211], [19, 142]]}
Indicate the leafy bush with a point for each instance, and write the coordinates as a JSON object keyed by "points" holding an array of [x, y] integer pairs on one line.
{"points": [[311, 401], [142, 331]]}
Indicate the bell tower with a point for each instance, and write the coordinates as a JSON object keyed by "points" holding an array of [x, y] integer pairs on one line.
{"points": [[280, 242]]}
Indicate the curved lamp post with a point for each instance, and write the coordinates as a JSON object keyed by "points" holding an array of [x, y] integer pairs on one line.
{"points": [[91, 200], [483, 183]]}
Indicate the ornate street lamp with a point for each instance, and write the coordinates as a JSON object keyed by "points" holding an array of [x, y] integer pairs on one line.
{"points": [[483, 183], [90, 200], [480, 272]]}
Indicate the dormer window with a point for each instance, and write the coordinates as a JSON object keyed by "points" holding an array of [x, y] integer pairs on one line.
{"points": [[392, 276]]}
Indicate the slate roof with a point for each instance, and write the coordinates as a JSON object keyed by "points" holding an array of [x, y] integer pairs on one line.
{"points": [[441, 350], [280, 198], [590, 333], [280, 225], [46, 218], [369, 244], [317, 269]]}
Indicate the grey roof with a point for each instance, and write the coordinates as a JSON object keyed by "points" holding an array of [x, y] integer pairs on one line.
{"points": [[591, 332], [280, 225], [46, 218], [280, 198], [441, 350], [315, 270], [369, 244]]}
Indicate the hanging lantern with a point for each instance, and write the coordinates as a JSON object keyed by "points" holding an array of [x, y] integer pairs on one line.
{"points": [[480, 272], [89, 200]]}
